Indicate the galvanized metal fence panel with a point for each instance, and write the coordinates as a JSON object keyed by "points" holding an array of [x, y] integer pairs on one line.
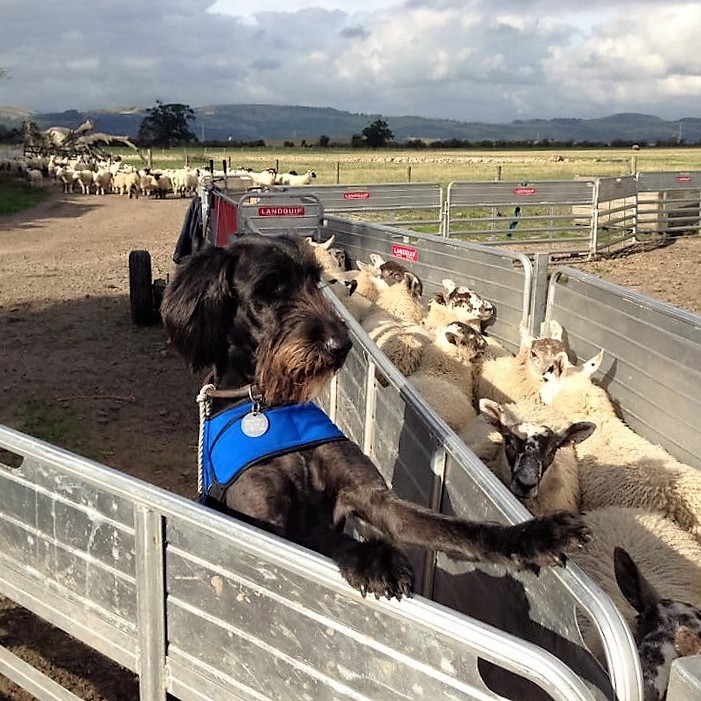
{"points": [[228, 611], [615, 212], [462, 485], [669, 203], [273, 213], [502, 277], [409, 205], [651, 368], [549, 215]]}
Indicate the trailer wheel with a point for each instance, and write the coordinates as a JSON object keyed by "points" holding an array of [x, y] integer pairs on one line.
{"points": [[143, 311]]}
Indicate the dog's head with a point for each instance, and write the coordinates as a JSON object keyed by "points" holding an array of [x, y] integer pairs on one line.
{"points": [[255, 312]]}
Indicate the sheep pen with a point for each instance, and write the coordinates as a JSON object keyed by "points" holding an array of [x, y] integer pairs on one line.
{"points": [[118, 394]]}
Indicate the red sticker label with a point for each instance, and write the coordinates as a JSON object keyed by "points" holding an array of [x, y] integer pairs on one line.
{"points": [[405, 252], [281, 211], [683, 178], [524, 191], [356, 195]]}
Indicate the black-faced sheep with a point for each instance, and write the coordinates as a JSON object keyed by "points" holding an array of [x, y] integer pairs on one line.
{"points": [[618, 466], [528, 446]]}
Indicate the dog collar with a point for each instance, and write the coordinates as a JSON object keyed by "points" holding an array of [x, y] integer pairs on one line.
{"points": [[229, 448]]}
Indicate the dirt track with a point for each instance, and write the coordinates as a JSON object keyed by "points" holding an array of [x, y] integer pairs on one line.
{"points": [[76, 371]]}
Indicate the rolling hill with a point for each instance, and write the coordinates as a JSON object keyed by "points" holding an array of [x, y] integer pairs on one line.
{"points": [[248, 122]]}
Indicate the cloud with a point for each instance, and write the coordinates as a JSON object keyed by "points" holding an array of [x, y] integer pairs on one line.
{"points": [[466, 60]]}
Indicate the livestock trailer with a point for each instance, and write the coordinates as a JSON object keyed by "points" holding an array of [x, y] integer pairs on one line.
{"points": [[201, 606]]}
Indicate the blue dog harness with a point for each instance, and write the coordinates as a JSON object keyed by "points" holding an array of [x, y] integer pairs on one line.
{"points": [[227, 449]]}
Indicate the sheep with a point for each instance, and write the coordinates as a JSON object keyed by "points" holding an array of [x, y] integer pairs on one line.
{"points": [[264, 178], [617, 465], [520, 377], [443, 376], [403, 299], [646, 564], [65, 175], [358, 306], [185, 181], [392, 323], [35, 177], [102, 180], [332, 260], [294, 180], [132, 184], [529, 448], [163, 185], [84, 178], [458, 303]]}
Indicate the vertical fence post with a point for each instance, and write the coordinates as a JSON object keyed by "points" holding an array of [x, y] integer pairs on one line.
{"points": [[149, 157], [497, 177], [539, 293], [150, 604], [408, 174], [633, 165], [338, 172]]}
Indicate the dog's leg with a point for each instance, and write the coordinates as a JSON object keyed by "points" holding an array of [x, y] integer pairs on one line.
{"points": [[531, 544]]}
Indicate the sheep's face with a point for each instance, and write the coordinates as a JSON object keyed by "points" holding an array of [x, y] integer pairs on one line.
{"points": [[467, 304], [468, 342], [530, 450], [541, 355]]}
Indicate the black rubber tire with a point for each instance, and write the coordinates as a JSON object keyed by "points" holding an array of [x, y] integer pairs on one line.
{"points": [[143, 310]]}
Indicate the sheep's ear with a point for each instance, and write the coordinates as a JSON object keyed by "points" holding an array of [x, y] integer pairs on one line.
{"points": [[364, 267], [449, 285], [526, 337], [593, 364], [451, 338], [555, 330], [639, 593], [328, 243], [439, 298], [492, 411], [575, 433], [560, 364]]}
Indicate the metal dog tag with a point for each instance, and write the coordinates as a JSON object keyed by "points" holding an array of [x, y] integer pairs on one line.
{"points": [[254, 424]]}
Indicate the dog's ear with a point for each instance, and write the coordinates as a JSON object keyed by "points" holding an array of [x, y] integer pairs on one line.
{"points": [[199, 306]]}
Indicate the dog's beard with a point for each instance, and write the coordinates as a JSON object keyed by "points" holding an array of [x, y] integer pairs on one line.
{"points": [[293, 371]]}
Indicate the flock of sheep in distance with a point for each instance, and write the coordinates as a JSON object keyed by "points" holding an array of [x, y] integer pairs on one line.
{"points": [[546, 429], [100, 177], [551, 434]]}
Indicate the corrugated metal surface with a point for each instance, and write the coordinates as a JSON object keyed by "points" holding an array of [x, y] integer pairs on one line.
{"points": [[651, 368], [246, 615]]}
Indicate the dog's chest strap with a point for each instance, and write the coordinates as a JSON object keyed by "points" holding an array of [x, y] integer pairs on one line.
{"points": [[228, 450]]}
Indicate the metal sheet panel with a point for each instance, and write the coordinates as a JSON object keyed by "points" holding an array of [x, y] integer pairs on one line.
{"points": [[651, 366], [502, 277]]}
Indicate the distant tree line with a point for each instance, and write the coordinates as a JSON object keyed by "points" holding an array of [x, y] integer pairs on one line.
{"points": [[167, 125]]}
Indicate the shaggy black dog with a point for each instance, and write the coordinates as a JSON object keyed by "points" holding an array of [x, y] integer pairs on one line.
{"points": [[255, 314]]}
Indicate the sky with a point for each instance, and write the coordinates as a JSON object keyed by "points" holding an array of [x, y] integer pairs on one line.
{"points": [[468, 60]]}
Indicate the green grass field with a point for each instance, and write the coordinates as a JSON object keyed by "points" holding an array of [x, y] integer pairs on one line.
{"points": [[16, 195], [444, 167]]}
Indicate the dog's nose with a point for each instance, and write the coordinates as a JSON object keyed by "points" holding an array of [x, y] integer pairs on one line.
{"points": [[338, 346]]}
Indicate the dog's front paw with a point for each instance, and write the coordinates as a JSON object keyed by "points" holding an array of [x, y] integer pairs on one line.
{"points": [[378, 568], [543, 541]]}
